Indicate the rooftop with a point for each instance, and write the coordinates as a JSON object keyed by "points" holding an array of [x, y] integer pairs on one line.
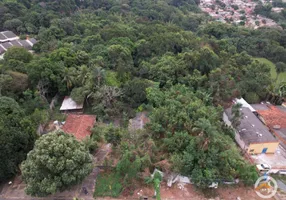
{"points": [[272, 115], [79, 125], [7, 36], [27, 44], [70, 104], [251, 129], [244, 104]]}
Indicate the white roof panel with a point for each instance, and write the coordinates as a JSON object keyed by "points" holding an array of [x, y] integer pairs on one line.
{"points": [[70, 104], [245, 104]]}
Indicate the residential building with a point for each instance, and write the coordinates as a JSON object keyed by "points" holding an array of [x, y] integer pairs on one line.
{"points": [[251, 134], [8, 39], [275, 118], [79, 125], [7, 36]]}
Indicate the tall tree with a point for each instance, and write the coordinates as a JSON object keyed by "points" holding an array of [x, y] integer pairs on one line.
{"points": [[57, 161], [15, 142]]}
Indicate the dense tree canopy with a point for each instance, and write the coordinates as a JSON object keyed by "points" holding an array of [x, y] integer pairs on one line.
{"points": [[57, 161], [189, 128], [165, 58], [15, 139]]}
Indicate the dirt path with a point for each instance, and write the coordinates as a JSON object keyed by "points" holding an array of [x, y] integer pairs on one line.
{"points": [[16, 190], [189, 192]]}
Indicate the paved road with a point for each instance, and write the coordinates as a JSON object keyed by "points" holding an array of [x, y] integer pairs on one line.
{"points": [[16, 191], [281, 186]]}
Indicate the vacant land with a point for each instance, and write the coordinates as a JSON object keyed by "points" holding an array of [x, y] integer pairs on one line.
{"points": [[180, 191]]}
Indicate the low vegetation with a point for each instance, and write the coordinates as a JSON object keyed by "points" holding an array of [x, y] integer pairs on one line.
{"points": [[108, 184]]}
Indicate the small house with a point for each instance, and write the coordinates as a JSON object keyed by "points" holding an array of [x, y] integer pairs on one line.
{"points": [[8, 39], [79, 125]]}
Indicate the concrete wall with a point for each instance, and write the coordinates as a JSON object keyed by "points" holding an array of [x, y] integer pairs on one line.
{"points": [[258, 148], [238, 140]]}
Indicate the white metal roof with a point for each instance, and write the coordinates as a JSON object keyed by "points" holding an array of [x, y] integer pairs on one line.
{"points": [[245, 104], [70, 104]]}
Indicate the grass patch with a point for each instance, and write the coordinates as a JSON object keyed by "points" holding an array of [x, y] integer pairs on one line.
{"points": [[271, 65], [281, 78], [108, 184], [277, 79]]}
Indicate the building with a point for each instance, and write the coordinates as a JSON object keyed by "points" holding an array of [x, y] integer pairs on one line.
{"points": [[7, 36], [275, 118], [79, 125], [251, 134], [8, 39], [69, 105]]}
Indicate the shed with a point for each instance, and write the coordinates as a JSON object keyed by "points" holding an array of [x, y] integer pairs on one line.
{"points": [[70, 105]]}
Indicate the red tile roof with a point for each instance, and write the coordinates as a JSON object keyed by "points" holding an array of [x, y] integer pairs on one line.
{"points": [[79, 125], [273, 116]]}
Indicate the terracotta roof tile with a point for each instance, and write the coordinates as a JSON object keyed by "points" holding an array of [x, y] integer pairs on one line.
{"points": [[79, 125], [273, 116]]}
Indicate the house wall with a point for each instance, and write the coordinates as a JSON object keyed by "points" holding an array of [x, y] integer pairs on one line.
{"points": [[238, 140], [258, 147]]}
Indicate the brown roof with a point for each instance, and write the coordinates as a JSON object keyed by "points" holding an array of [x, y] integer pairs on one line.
{"points": [[273, 116], [79, 125]]}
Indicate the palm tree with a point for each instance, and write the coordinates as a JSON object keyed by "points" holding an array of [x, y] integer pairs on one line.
{"points": [[98, 75], [82, 75], [69, 77]]}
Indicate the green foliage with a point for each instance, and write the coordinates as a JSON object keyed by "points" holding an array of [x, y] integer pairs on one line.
{"points": [[190, 128], [90, 144], [135, 91], [236, 115], [18, 54], [57, 161], [18, 83], [4, 80], [111, 79], [252, 97], [113, 135], [108, 185], [78, 95], [15, 140], [111, 54], [280, 67], [157, 180]]}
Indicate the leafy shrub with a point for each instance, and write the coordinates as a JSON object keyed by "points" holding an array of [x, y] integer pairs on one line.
{"points": [[251, 97], [108, 185], [280, 67]]}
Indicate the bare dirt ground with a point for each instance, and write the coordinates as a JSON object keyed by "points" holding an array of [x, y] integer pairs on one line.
{"points": [[176, 192], [184, 192]]}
